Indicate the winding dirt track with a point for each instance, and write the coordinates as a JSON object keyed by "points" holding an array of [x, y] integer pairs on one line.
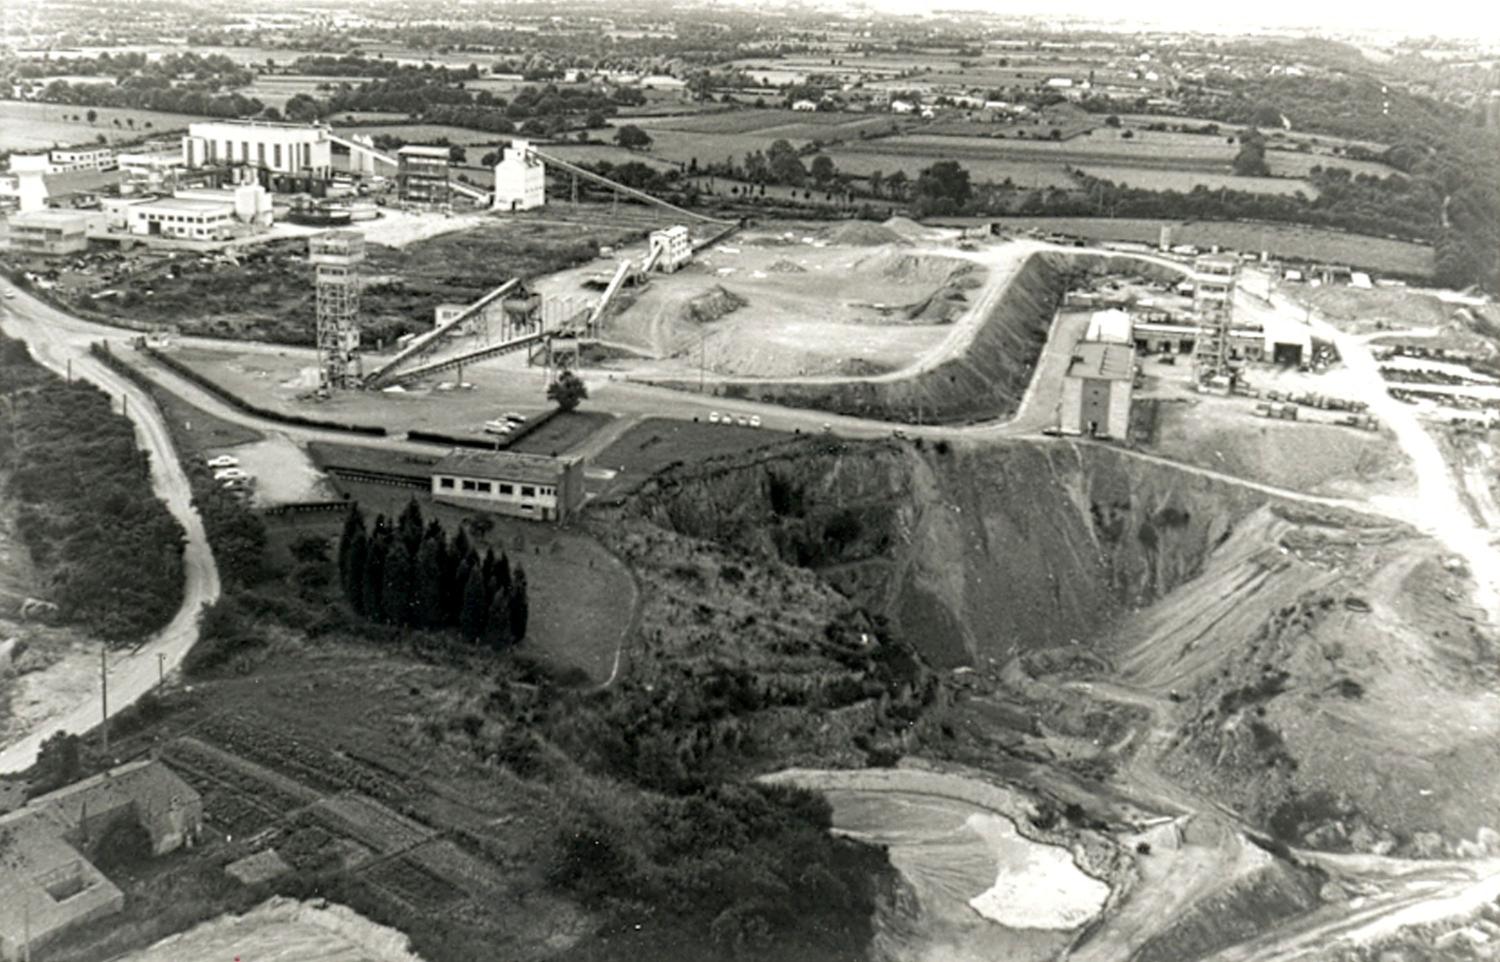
{"points": [[132, 673]]}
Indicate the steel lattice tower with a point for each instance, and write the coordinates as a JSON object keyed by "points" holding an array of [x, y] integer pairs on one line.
{"points": [[336, 256]]}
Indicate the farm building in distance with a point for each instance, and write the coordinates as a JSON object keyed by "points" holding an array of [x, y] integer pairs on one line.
{"points": [[49, 884], [1096, 390], [525, 485]]}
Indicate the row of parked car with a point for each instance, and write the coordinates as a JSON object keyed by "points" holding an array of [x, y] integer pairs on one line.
{"points": [[744, 421], [229, 475], [505, 423]]}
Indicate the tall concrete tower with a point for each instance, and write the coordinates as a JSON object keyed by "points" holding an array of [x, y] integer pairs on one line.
{"points": [[336, 256], [1214, 280]]}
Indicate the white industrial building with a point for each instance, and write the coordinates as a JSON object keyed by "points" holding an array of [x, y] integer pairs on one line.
{"points": [[47, 233], [292, 150], [525, 485], [1112, 326], [520, 178], [1096, 390], [670, 248]]}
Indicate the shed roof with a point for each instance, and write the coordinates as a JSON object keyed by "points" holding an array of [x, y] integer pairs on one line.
{"points": [[504, 466], [1096, 359]]}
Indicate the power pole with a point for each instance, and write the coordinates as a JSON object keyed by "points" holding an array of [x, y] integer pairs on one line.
{"points": [[104, 698], [161, 668]]}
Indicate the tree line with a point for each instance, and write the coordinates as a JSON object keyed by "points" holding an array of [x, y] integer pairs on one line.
{"points": [[409, 573], [106, 550]]}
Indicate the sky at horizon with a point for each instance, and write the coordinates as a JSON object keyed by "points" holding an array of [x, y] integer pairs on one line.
{"points": [[1449, 18]]}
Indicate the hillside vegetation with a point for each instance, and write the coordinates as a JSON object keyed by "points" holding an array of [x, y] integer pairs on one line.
{"points": [[108, 551]]}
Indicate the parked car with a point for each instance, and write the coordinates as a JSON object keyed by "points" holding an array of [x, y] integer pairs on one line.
{"points": [[513, 416], [228, 474], [497, 427], [755, 420], [224, 461], [9, 293], [713, 417], [235, 484], [742, 421], [827, 428]]}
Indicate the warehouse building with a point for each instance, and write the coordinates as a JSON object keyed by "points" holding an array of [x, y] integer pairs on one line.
{"points": [[1096, 391], [525, 485], [47, 233], [294, 151]]}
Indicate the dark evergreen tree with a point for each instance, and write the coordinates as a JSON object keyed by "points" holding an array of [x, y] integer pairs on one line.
{"points": [[502, 573], [489, 571], [354, 581], [374, 585], [398, 597], [431, 581], [410, 527], [472, 618], [461, 547], [520, 606], [497, 636], [354, 522], [457, 586]]}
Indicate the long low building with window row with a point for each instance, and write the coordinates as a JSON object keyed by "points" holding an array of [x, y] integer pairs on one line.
{"points": [[525, 485]]}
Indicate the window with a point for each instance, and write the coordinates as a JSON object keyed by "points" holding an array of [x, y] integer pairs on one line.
{"points": [[507, 488], [445, 483], [277, 155], [468, 485], [527, 491], [483, 487]]}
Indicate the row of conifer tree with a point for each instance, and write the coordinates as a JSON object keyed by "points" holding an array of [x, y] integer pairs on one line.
{"points": [[410, 573]]}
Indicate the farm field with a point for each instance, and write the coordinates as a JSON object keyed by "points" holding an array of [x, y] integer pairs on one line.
{"points": [[275, 90], [418, 133], [1378, 254], [1186, 180], [608, 153], [1022, 172], [745, 121], [37, 126], [1134, 120]]}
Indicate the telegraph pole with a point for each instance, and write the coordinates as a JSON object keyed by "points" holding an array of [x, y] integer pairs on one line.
{"points": [[104, 697], [161, 668]]}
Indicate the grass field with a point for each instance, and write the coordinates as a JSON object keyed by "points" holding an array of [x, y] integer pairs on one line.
{"points": [[746, 121], [35, 126], [1378, 254], [413, 133], [562, 433], [275, 90], [657, 443], [1186, 180], [594, 153]]}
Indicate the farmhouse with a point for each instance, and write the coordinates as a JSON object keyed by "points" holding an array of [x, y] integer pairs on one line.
{"points": [[49, 885], [524, 485], [1096, 390]]}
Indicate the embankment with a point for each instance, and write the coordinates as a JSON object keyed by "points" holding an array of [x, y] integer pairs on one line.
{"points": [[986, 379], [969, 552]]}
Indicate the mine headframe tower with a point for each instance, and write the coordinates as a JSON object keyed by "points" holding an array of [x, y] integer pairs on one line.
{"points": [[336, 256], [1214, 279]]}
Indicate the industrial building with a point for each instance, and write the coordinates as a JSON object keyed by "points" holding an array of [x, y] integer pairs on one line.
{"points": [[49, 884], [423, 175], [280, 150], [524, 485], [670, 248], [520, 178], [47, 233], [172, 217], [1096, 390], [1112, 326]]}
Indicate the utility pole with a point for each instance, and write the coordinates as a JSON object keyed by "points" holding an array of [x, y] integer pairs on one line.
{"points": [[104, 697], [702, 358], [161, 668]]}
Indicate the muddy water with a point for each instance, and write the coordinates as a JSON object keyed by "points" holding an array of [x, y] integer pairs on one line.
{"points": [[981, 892]]}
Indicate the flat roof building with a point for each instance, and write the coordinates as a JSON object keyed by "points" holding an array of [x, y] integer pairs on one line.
{"points": [[182, 218], [295, 151], [520, 178], [1112, 326], [48, 884], [1096, 390], [525, 485], [422, 175], [47, 233]]}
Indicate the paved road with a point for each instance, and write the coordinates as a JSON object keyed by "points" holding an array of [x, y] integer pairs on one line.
{"points": [[131, 674]]}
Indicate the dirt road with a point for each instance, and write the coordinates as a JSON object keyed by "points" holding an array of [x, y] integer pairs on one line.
{"points": [[131, 674]]}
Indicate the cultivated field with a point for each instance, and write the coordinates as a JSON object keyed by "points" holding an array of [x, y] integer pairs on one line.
{"points": [[275, 90], [418, 133], [1281, 240], [36, 126]]}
